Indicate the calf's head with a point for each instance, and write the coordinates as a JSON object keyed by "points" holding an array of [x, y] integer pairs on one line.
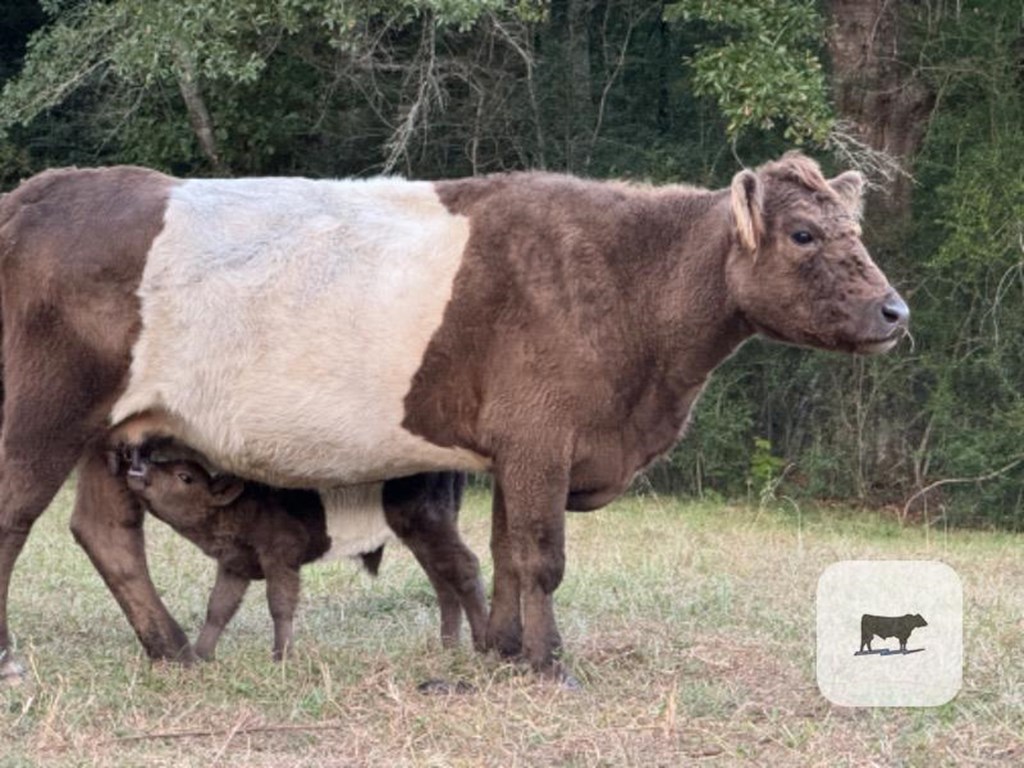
{"points": [[180, 489], [799, 272]]}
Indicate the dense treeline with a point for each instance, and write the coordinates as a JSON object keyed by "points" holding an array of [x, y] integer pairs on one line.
{"points": [[924, 96]]}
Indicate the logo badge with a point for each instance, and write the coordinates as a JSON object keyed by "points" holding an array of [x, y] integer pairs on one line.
{"points": [[890, 633]]}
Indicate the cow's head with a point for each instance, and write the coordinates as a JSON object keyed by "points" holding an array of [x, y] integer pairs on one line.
{"points": [[799, 272], [181, 490], [919, 620]]}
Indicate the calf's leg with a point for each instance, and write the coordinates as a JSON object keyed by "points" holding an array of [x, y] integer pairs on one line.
{"points": [[107, 523], [227, 594], [283, 598]]}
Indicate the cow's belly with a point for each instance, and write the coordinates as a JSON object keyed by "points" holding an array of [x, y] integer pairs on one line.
{"points": [[283, 321]]}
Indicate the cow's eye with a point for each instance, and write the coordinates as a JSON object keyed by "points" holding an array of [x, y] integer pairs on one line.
{"points": [[802, 237], [185, 477]]}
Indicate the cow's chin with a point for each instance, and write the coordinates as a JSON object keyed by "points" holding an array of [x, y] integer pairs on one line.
{"points": [[877, 347]]}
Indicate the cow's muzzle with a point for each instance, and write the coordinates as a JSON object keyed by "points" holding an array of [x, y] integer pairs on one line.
{"points": [[889, 324], [895, 311]]}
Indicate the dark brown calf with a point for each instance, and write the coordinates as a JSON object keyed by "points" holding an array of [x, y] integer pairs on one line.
{"points": [[252, 531], [257, 532], [551, 330]]}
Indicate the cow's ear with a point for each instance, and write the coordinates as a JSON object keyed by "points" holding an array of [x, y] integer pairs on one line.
{"points": [[225, 489], [748, 209], [850, 188]]}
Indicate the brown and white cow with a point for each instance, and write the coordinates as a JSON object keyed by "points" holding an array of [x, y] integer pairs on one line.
{"points": [[552, 330]]}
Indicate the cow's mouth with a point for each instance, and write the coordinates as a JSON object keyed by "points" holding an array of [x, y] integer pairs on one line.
{"points": [[874, 346], [878, 346]]}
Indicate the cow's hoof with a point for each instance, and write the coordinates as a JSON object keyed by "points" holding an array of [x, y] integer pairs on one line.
{"points": [[12, 671], [438, 687], [509, 645], [566, 680], [570, 682]]}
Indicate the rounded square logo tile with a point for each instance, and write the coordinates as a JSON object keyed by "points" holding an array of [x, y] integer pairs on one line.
{"points": [[889, 633]]}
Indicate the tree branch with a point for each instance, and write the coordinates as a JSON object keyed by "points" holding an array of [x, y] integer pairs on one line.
{"points": [[959, 480], [198, 114]]}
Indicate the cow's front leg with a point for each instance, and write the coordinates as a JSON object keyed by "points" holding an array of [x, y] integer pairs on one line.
{"points": [[107, 523], [534, 494]]}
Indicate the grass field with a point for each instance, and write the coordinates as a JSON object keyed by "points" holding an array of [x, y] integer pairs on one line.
{"points": [[691, 625]]}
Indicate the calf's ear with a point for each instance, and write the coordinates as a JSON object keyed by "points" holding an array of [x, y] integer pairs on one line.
{"points": [[225, 489], [748, 209], [850, 188]]}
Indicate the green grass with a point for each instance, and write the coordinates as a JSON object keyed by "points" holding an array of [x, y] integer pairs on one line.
{"points": [[691, 625]]}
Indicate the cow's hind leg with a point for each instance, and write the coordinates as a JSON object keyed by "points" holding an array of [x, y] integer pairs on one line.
{"points": [[30, 476], [107, 523], [423, 511]]}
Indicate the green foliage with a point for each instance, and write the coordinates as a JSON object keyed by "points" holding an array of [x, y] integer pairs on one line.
{"points": [[969, 254], [763, 66], [715, 455], [764, 467], [136, 55]]}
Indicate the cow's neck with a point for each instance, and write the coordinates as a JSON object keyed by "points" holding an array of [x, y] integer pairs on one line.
{"points": [[693, 334]]}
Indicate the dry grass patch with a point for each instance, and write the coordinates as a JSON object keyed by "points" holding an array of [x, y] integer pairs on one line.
{"points": [[690, 624]]}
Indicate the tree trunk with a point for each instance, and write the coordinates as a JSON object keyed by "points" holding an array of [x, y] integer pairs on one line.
{"points": [[198, 114], [570, 24], [876, 90]]}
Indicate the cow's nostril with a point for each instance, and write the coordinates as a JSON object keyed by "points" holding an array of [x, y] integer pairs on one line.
{"points": [[895, 310]]}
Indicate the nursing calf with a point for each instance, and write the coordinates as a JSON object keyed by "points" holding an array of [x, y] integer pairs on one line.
{"points": [[251, 531], [553, 331], [257, 532]]}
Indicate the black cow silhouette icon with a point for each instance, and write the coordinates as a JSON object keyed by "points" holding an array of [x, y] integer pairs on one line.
{"points": [[885, 627]]}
